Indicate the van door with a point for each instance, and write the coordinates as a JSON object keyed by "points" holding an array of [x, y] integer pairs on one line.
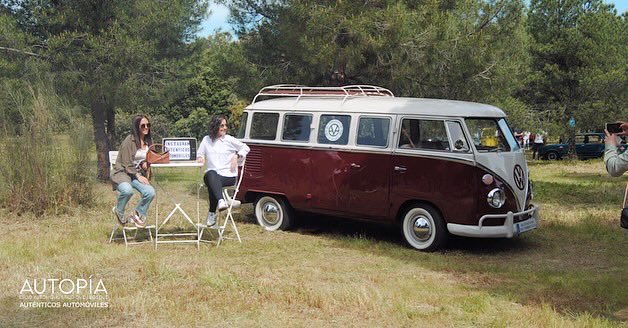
{"points": [[331, 165], [433, 163], [369, 168]]}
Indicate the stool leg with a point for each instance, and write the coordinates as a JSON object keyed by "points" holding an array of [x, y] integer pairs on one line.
{"points": [[113, 232], [235, 229], [126, 243]]}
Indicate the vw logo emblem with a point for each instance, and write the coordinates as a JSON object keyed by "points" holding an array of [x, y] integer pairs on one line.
{"points": [[519, 177]]}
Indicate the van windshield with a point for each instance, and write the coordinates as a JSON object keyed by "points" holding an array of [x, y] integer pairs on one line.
{"points": [[490, 134]]}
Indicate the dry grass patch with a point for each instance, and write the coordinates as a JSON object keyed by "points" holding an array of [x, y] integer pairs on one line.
{"points": [[328, 273]]}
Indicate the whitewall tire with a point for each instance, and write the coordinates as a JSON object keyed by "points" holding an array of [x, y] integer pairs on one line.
{"points": [[273, 213], [423, 228]]}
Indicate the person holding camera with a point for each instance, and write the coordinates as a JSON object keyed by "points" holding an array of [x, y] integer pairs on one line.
{"points": [[616, 164]]}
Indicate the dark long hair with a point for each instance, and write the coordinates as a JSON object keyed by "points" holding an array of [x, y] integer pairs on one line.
{"points": [[148, 139], [214, 126]]}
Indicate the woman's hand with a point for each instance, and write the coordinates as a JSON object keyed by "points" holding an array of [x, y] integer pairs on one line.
{"points": [[142, 179], [610, 139], [200, 160]]}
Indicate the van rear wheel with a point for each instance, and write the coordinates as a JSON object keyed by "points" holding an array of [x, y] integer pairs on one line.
{"points": [[273, 213], [423, 228]]}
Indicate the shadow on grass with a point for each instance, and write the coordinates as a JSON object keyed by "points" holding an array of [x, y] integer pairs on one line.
{"points": [[539, 267], [346, 230]]}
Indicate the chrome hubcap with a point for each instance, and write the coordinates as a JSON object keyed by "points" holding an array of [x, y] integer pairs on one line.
{"points": [[421, 228], [270, 213]]}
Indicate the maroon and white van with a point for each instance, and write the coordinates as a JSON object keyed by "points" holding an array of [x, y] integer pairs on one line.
{"points": [[434, 167]]}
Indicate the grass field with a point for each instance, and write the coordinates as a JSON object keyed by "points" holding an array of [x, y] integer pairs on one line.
{"points": [[571, 272]]}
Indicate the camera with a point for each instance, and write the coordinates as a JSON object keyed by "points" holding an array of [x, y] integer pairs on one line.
{"points": [[614, 127]]}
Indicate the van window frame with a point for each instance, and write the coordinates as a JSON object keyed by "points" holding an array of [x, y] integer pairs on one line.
{"points": [[283, 125], [350, 130], [388, 134], [277, 129], [424, 118], [464, 135], [513, 147], [243, 129]]}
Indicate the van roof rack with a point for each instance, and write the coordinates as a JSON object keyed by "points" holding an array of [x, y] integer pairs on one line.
{"points": [[293, 90]]}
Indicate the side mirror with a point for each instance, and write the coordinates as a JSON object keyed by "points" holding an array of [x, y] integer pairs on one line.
{"points": [[459, 144]]}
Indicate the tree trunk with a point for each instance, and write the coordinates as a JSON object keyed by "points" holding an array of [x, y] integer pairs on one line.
{"points": [[571, 146], [99, 112], [111, 125]]}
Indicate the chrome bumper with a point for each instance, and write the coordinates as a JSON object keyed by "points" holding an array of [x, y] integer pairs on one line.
{"points": [[508, 230]]}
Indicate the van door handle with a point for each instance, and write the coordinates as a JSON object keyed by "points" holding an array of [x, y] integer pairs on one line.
{"points": [[400, 168], [355, 166]]}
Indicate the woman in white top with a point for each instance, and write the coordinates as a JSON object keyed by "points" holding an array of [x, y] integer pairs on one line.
{"points": [[220, 152]]}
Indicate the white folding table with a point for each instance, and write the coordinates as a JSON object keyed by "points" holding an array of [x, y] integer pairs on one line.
{"points": [[177, 208]]}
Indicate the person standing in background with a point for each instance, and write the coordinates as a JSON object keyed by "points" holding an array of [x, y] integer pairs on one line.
{"points": [[539, 140], [526, 139]]}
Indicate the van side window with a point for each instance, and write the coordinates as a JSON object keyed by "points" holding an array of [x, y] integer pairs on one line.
{"points": [[334, 129], [423, 134], [242, 127], [264, 126], [296, 127], [457, 137], [373, 131]]}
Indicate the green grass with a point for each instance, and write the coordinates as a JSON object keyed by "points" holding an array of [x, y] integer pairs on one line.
{"points": [[572, 271]]}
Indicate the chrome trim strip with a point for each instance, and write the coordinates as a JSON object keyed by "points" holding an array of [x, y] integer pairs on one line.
{"points": [[413, 153]]}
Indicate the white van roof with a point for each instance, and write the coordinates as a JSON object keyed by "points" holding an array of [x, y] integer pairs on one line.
{"points": [[379, 105]]}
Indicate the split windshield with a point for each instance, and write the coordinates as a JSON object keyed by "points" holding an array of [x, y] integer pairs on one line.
{"points": [[489, 134]]}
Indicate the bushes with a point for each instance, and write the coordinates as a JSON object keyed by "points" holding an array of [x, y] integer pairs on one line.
{"points": [[45, 159]]}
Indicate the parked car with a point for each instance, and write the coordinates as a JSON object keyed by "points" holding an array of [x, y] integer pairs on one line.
{"points": [[588, 145]]}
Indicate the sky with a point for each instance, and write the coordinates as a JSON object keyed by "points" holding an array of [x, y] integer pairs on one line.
{"points": [[217, 20]]}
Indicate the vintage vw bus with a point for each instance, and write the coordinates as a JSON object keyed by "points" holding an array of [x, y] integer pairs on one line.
{"points": [[435, 167]]}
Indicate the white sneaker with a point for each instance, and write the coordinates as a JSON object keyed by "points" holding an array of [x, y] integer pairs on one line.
{"points": [[211, 219], [235, 202], [222, 205], [138, 220]]}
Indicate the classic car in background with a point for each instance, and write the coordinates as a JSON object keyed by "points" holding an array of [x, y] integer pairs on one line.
{"points": [[588, 145]]}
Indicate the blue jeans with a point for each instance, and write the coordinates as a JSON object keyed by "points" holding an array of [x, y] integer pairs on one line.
{"points": [[125, 190]]}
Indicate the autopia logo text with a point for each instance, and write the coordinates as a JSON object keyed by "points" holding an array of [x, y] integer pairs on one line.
{"points": [[63, 293]]}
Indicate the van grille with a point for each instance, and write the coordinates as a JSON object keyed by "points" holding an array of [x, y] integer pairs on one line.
{"points": [[254, 161]]}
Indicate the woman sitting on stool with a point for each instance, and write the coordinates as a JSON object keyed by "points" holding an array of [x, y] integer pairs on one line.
{"points": [[220, 152], [129, 172]]}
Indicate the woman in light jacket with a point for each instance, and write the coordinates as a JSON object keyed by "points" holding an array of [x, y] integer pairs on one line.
{"points": [[220, 152], [129, 173]]}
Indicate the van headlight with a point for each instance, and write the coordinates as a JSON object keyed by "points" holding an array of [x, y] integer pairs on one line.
{"points": [[496, 198]]}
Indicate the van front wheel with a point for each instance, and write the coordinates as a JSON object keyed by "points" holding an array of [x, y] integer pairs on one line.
{"points": [[423, 228], [273, 213]]}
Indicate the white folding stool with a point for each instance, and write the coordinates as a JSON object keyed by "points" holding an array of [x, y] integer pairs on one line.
{"points": [[229, 194], [113, 155]]}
